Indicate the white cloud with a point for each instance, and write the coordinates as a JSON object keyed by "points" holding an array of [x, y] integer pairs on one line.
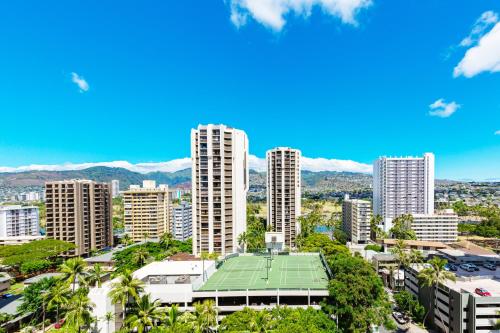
{"points": [[273, 13], [497, 132], [442, 109], [256, 163], [484, 53], [80, 82], [485, 21]]}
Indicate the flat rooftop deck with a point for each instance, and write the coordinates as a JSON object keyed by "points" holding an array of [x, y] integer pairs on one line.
{"points": [[286, 272]]}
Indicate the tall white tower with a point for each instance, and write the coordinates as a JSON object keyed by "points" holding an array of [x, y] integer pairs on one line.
{"points": [[284, 192], [219, 187], [403, 185]]}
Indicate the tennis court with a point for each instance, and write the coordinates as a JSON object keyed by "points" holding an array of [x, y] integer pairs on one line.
{"points": [[286, 272]]}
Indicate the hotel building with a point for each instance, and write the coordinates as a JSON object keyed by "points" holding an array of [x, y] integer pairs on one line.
{"points": [[356, 216]]}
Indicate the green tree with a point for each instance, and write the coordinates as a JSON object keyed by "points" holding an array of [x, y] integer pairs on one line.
{"points": [[145, 314], [108, 318], [32, 301], [432, 277], [206, 256], [172, 319], [58, 297], [205, 315], [322, 243], [356, 295], [79, 311], [127, 286], [141, 256], [16, 255], [243, 240], [35, 266], [409, 305], [376, 231], [400, 254], [401, 228], [74, 270], [166, 240], [126, 240], [95, 274]]}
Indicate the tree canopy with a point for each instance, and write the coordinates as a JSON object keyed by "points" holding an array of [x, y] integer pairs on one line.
{"points": [[15, 255]]}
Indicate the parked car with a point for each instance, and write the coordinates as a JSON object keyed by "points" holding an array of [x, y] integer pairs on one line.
{"points": [[400, 318], [467, 267], [474, 267], [491, 267], [450, 267], [482, 292], [7, 295]]}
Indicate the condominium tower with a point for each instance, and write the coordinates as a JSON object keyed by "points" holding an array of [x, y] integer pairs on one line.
{"points": [[356, 216], [403, 185], [18, 221], [115, 188], [219, 187], [146, 211], [283, 192], [181, 221], [79, 212]]}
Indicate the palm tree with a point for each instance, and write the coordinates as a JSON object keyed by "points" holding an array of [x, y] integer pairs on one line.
{"points": [[58, 297], [141, 255], [124, 288], [79, 312], [166, 239], [126, 239], [172, 319], [95, 275], [399, 252], [108, 317], [73, 270], [145, 315], [260, 322], [207, 256], [415, 257], [432, 277], [205, 315], [376, 232], [243, 240]]}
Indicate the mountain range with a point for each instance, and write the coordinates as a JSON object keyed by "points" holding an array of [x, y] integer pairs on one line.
{"points": [[311, 181]]}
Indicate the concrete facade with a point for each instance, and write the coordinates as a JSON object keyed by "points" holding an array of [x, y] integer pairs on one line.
{"points": [[284, 192], [219, 187], [16, 221], [356, 216]]}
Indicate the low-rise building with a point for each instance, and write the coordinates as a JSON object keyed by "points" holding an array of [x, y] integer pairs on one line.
{"points": [[413, 245], [439, 227], [298, 280]]}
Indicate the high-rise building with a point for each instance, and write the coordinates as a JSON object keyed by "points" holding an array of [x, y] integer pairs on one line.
{"points": [[403, 185], [18, 221], [115, 188], [356, 216], [219, 187], [79, 212], [284, 192], [146, 211], [181, 217]]}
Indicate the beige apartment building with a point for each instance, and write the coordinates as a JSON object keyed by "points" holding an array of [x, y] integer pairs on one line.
{"points": [[146, 211], [219, 187], [356, 216], [79, 212], [284, 192]]}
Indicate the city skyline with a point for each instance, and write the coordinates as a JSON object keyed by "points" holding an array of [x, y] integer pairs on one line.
{"points": [[351, 87]]}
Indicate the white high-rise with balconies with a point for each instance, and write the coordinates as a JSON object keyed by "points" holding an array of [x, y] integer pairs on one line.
{"points": [[284, 193], [403, 185], [219, 187], [16, 221]]}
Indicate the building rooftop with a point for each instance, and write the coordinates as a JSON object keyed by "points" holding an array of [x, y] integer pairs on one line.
{"points": [[287, 272], [38, 278], [491, 285], [172, 268], [390, 241]]}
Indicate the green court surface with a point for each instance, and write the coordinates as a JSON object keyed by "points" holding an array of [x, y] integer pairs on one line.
{"points": [[286, 272]]}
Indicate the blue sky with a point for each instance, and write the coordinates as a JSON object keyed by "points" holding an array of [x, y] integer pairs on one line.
{"points": [[345, 83]]}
